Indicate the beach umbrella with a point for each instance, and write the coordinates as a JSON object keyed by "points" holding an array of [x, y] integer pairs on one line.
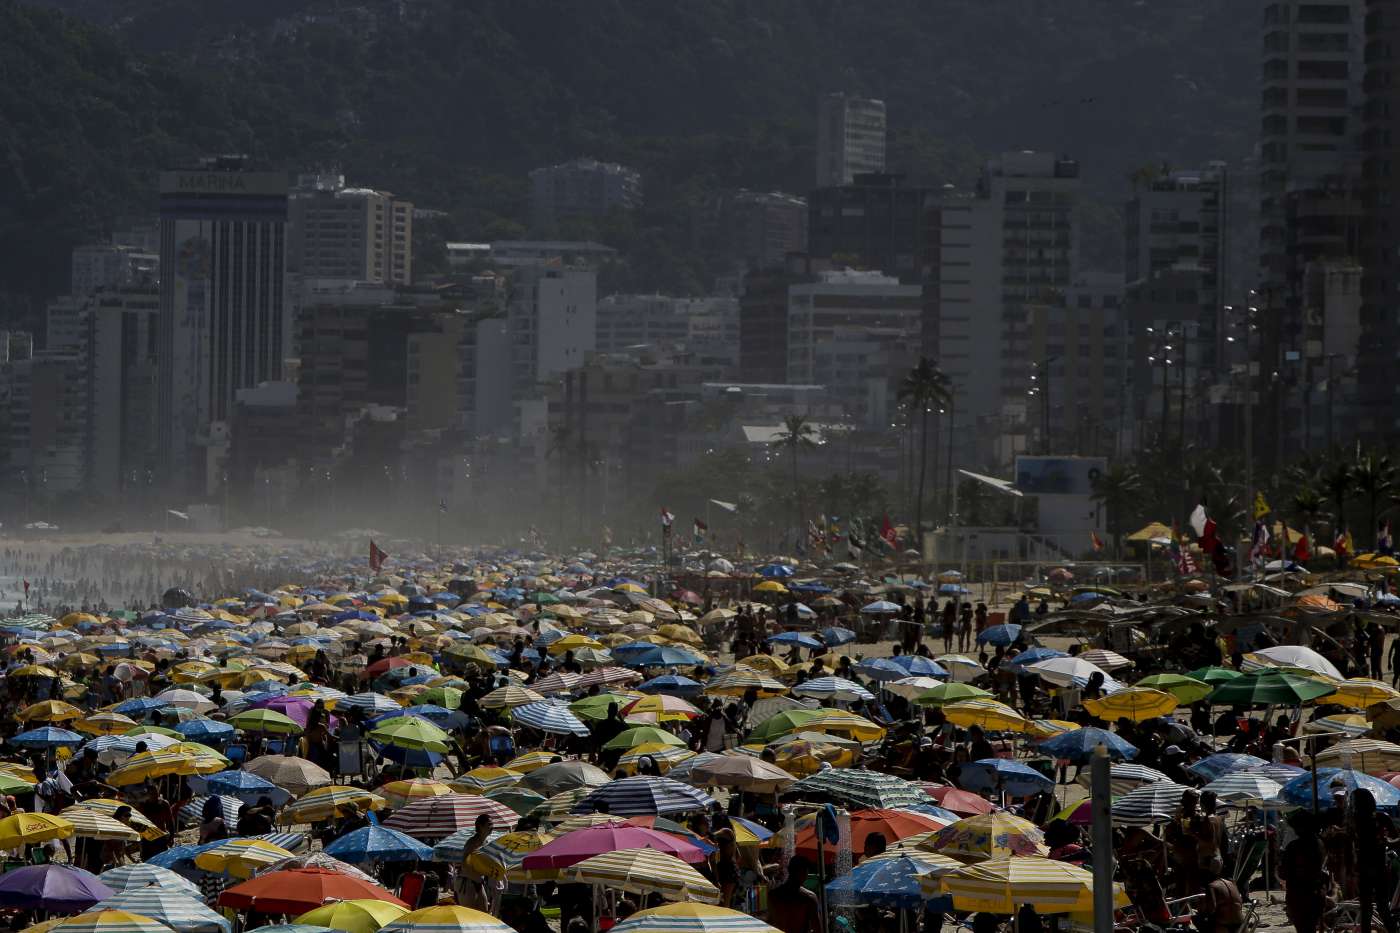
{"points": [[988, 836], [893, 825], [1134, 703], [360, 915], [185, 699], [46, 737], [911, 688], [22, 829], [60, 889], [739, 681], [783, 723], [999, 635], [265, 721], [1269, 688], [564, 775], [691, 917], [843, 721], [609, 836], [1067, 672], [644, 795], [138, 820], [1106, 659], [292, 928], [664, 757], [1331, 781], [90, 824], [482, 779], [835, 636], [1077, 746], [105, 920], [446, 918], [1223, 763], [671, 683], [292, 774], [508, 697], [1157, 802], [742, 772], [298, 890], [240, 858], [833, 688], [638, 735], [859, 788], [1244, 789], [143, 875], [1370, 755], [990, 714], [660, 707], [245, 786], [373, 704], [1214, 675], [49, 711], [1015, 778], [887, 881], [1124, 776], [500, 857], [1360, 693], [1187, 690], [175, 908], [951, 692], [533, 760], [1297, 656], [550, 716], [400, 793], [205, 730], [328, 802], [643, 872], [519, 799], [434, 817], [1002, 885], [412, 733], [959, 802], [376, 843]]}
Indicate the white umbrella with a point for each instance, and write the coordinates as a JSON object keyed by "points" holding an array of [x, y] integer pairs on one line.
{"points": [[1065, 672], [1291, 656]]}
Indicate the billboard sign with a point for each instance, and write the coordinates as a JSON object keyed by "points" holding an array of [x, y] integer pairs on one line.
{"points": [[1059, 476]]}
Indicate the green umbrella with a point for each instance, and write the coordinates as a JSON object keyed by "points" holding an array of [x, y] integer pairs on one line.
{"points": [[154, 730], [1187, 690], [596, 707], [543, 599], [1214, 675], [781, 724], [1269, 688], [639, 735], [265, 720], [411, 732], [446, 697], [519, 799], [951, 692], [9, 784]]}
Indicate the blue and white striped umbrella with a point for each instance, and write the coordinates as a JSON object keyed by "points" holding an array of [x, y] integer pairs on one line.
{"points": [[1014, 777], [143, 875], [192, 813], [552, 716], [112, 749], [833, 688], [1148, 804], [375, 843], [1277, 771], [645, 795], [454, 847], [244, 785], [371, 703], [175, 908], [1242, 789], [1217, 766]]}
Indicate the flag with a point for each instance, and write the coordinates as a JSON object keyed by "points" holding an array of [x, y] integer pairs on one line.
{"points": [[1301, 551], [26, 587], [816, 539], [376, 556], [1182, 560], [1259, 543], [1095, 541], [855, 540], [887, 532], [442, 506], [666, 518], [607, 536], [1342, 544], [727, 506], [1383, 537], [1261, 505], [698, 529], [1198, 520]]}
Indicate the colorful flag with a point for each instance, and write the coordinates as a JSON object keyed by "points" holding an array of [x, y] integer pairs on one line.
{"points": [[1095, 541], [1261, 506], [666, 518], [1301, 551], [1182, 560], [887, 532], [815, 537], [698, 529], [1383, 545], [377, 557], [26, 587], [1342, 544], [1259, 543]]}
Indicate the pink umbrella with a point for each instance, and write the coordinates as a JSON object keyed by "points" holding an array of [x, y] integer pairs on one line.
{"points": [[297, 709], [580, 844], [961, 802]]}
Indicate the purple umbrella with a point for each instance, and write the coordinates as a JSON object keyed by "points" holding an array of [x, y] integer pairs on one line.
{"points": [[297, 709], [60, 889]]}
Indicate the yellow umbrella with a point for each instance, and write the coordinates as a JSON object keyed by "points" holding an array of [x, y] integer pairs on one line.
{"points": [[1003, 885], [1361, 693], [156, 764], [767, 663], [988, 836], [324, 803], [1135, 703], [531, 761], [49, 711], [361, 915], [681, 633], [1150, 531], [105, 724], [643, 871], [101, 920], [770, 586], [240, 857], [845, 723], [572, 643], [89, 824], [987, 713], [23, 828], [148, 830], [1371, 755], [401, 793], [665, 756]]}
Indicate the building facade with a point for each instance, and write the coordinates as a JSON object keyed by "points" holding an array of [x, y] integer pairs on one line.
{"points": [[850, 138], [581, 190], [123, 370], [336, 232]]}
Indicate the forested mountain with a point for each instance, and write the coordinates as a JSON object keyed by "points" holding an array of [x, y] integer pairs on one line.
{"points": [[450, 102]]}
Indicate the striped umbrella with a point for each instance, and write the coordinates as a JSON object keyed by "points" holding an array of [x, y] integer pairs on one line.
{"points": [[435, 817], [887, 880], [1124, 776], [1370, 755], [859, 788], [664, 757], [1149, 804], [608, 677], [1244, 789], [373, 704], [401, 793], [531, 761], [109, 921], [552, 716], [687, 917], [502, 855], [326, 802], [558, 682], [141, 875], [741, 680], [833, 688], [1223, 763], [454, 847], [1276, 771], [483, 779], [561, 805], [1333, 781], [988, 836], [105, 723], [508, 697], [240, 857], [192, 813], [1002, 885], [645, 795], [175, 908], [644, 872], [89, 824], [448, 918]]}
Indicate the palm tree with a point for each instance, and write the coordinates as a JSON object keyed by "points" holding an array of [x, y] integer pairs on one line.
{"points": [[1120, 491], [924, 387], [797, 432], [1307, 505], [1375, 478], [1337, 483]]}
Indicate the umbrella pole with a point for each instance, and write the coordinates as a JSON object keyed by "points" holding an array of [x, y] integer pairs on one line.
{"points": [[821, 874]]}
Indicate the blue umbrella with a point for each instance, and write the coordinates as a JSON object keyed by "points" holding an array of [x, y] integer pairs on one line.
{"points": [[138, 706], [47, 737], [242, 785], [883, 882], [375, 843], [412, 757], [916, 665], [625, 653], [665, 656], [796, 638], [1032, 656], [552, 716], [935, 811], [454, 847], [671, 683], [1299, 791], [1014, 777], [953, 589], [881, 607], [1219, 765], [881, 669], [1000, 634], [776, 571], [836, 636], [1077, 746], [1087, 597], [205, 730], [810, 588]]}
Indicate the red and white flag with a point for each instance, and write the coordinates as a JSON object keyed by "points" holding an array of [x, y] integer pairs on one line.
{"points": [[377, 557], [887, 532], [667, 519]]}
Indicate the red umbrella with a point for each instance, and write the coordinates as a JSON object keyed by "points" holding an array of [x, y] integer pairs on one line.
{"points": [[298, 890], [1392, 778], [961, 802], [892, 824], [687, 596], [383, 665], [580, 844]]}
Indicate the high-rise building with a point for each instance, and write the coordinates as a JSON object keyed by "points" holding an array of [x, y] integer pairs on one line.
{"points": [[874, 222], [107, 265], [1000, 251], [222, 314], [850, 138], [553, 323], [1380, 311], [122, 381], [763, 319], [337, 232], [758, 229], [580, 190], [47, 418]]}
